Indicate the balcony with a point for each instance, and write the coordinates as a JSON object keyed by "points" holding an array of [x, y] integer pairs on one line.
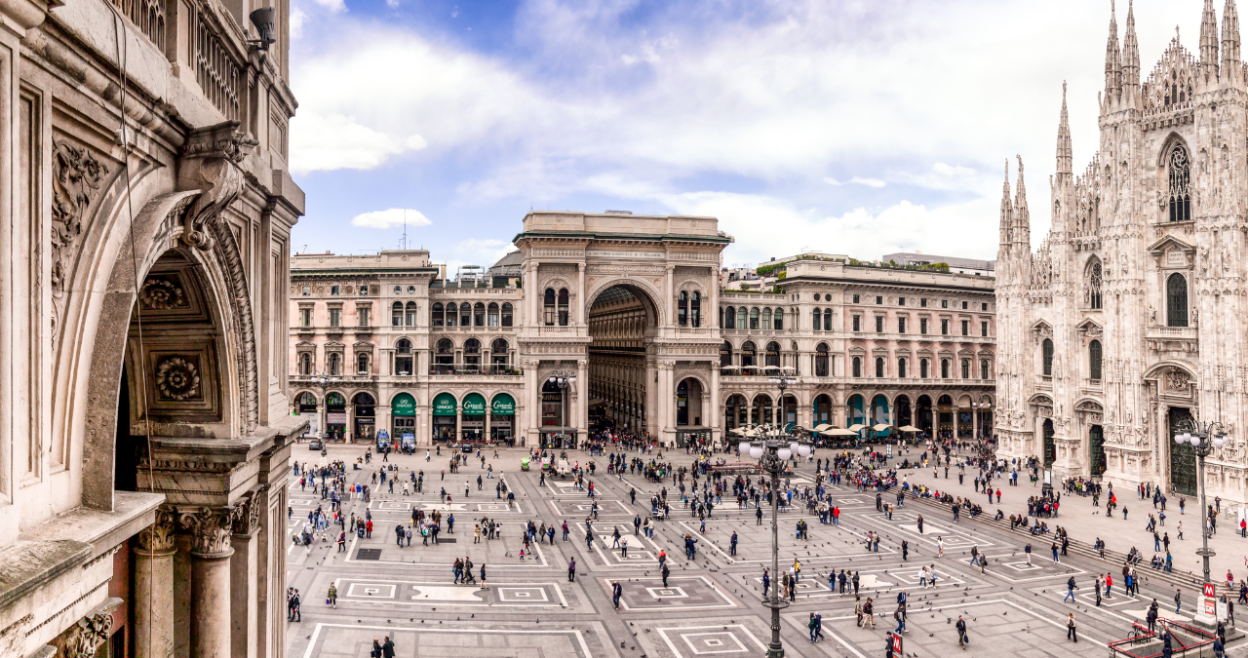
{"points": [[334, 331], [332, 380], [468, 371], [1172, 339]]}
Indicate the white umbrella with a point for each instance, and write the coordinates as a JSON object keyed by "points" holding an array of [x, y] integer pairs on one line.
{"points": [[856, 428], [881, 427], [841, 432], [909, 428]]}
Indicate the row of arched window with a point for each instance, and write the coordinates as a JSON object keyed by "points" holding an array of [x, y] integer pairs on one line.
{"points": [[445, 362], [743, 318], [1094, 358], [965, 370], [689, 309], [334, 365], [555, 307], [466, 314]]}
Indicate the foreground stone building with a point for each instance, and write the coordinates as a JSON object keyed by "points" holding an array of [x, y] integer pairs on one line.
{"points": [[1131, 315], [144, 228], [631, 318]]}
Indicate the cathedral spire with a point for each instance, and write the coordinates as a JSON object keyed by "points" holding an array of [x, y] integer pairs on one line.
{"points": [[1007, 212], [1131, 54], [1232, 65], [1113, 59], [1022, 219], [1064, 156], [1209, 43]]}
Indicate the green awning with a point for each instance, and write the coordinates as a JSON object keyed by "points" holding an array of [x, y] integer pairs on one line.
{"points": [[444, 405], [474, 405], [503, 405], [403, 405]]}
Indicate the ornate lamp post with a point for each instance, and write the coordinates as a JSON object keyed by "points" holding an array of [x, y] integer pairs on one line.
{"points": [[1203, 437], [775, 448], [562, 383], [324, 382]]}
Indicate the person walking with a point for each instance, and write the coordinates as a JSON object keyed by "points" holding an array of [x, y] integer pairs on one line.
{"points": [[616, 592], [963, 640], [1070, 589], [1027, 550], [572, 570], [1071, 633], [1178, 600], [332, 597]]}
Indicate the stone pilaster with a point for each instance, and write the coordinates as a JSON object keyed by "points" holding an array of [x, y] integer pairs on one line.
{"points": [[244, 588], [211, 529], [153, 587]]}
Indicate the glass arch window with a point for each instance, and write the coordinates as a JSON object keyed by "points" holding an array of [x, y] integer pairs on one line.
{"points": [[500, 354], [1094, 360], [779, 321], [754, 318], [695, 309], [478, 314], [492, 315], [452, 315], [396, 314], [1176, 301], [743, 317], [1179, 195], [729, 318], [335, 364], [507, 314], [472, 355], [465, 314], [773, 354], [879, 366], [901, 367], [766, 319], [966, 368], [444, 357], [1094, 284], [437, 314], [944, 368], [857, 367], [983, 369], [411, 314], [821, 360], [682, 309], [305, 364], [1046, 355], [827, 319], [923, 368], [361, 363], [747, 357], [816, 320], [548, 307], [725, 352], [563, 307]]}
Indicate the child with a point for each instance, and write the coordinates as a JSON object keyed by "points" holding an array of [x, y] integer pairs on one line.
{"points": [[522, 555]]}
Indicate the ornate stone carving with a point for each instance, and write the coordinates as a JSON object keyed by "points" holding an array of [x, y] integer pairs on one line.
{"points": [[210, 161], [210, 530], [76, 175], [1177, 381], [161, 294], [159, 537], [247, 513], [87, 635], [177, 379]]}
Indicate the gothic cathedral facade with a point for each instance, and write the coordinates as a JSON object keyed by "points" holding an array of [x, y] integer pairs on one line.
{"points": [[1131, 317]]}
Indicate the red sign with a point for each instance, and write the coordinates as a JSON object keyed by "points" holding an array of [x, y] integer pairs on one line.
{"points": [[897, 645], [1210, 590]]}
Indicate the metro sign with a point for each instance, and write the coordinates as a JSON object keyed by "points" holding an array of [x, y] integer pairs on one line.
{"points": [[1211, 590]]}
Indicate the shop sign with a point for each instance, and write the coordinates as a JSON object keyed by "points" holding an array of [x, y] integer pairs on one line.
{"points": [[444, 405], [503, 405], [336, 418], [500, 424], [403, 405], [472, 424], [364, 420], [474, 405]]}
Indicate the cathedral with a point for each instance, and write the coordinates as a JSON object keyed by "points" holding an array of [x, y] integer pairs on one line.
{"points": [[1130, 317]]}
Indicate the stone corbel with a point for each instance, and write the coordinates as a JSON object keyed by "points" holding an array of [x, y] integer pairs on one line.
{"points": [[210, 528], [210, 163], [91, 631]]}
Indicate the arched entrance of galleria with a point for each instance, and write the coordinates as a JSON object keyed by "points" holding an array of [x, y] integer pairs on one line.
{"points": [[616, 317]]}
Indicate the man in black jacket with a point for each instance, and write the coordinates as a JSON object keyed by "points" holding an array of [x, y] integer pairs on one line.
{"points": [[963, 640], [387, 648]]}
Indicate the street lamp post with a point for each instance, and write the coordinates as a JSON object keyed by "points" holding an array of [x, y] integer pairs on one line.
{"points": [[775, 448], [1203, 437], [323, 382], [562, 383]]}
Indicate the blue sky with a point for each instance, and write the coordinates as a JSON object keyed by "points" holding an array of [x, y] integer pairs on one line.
{"points": [[850, 126]]}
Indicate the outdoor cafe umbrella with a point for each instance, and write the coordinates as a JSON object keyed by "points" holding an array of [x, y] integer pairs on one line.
{"points": [[881, 427], [908, 428]]}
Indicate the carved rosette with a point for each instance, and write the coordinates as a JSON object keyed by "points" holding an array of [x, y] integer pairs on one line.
{"points": [[87, 635], [177, 379], [210, 528], [158, 538], [161, 294]]}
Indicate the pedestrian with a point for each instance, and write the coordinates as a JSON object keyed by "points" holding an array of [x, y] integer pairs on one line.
{"points": [[1071, 633], [331, 599], [1070, 589], [963, 640], [572, 570], [616, 591], [1178, 600], [1027, 550]]}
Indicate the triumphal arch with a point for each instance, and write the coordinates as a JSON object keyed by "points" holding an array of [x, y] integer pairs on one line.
{"points": [[619, 325]]}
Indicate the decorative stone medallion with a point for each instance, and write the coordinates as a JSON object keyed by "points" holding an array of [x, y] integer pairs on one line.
{"points": [[177, 379]]}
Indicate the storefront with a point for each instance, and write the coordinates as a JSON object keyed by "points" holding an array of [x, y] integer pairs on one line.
{"points": [[502, 418], [444, 417], [472, 425], [403, 420], [365, 408], [335, 416], [306, 408]]}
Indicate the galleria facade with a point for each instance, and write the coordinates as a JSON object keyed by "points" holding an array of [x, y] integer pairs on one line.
{"points": [[632, 319], [1129, 319]]}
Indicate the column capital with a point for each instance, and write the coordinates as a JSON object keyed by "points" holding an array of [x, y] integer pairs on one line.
{"points": [[210, 530], [248, 513], [86, 636], [580, 267], [158, 538]]}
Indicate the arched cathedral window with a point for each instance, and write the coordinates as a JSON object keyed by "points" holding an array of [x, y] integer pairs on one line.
{"points": [[1179, 197], [1047, 356], [1176, 301], [1093, 298], [1094, 360]]}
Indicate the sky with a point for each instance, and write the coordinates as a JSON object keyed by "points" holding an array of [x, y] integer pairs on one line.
{"points": [[861, 127]]}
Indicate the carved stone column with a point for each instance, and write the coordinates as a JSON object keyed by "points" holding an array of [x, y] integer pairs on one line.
{"points": [[153, 587], [210, 580], [244, 572]]}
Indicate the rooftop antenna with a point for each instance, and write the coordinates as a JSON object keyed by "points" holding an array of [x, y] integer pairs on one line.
{"points": [[403, 242]]}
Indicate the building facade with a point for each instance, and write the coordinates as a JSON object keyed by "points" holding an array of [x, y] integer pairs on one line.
{"points": [[630, 319], [144, 240], [1130, 317]]}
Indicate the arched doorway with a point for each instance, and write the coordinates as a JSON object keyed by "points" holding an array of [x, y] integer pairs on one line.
{"points": [[1096, 451], [472, 418], [923, 415], [690, 427], [335, 416], [503, 419], [305, 405], [945, 416], [855, 411], [821, 408], [622, 322], [365, 407], [555, 432], [1182, 455], [902, 407], [403, 419], [1050, 447], [760, 411], [736, 412], [788, 410]]}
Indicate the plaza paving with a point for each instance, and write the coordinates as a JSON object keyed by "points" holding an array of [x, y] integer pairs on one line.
{"points": [[711, 606]]}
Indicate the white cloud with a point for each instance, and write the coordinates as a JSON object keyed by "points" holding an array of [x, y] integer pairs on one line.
{"points": [[391, 218], [857, 180], [334, 6], [335, 141], [393, 4], [297, 18]]}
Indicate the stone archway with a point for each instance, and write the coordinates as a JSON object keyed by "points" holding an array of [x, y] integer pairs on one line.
{"points": [[623, 322]]}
